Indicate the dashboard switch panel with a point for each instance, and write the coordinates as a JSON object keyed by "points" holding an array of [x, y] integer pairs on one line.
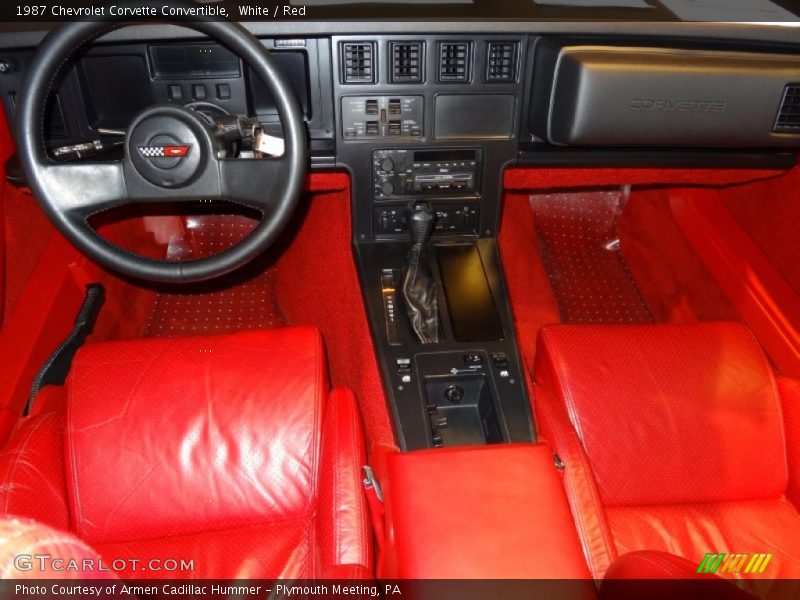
{"points": [[378, 117]]}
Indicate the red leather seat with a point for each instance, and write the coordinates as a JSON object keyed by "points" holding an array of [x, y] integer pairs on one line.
{"points": [[30, 550], [227, 450], [676, 438]]}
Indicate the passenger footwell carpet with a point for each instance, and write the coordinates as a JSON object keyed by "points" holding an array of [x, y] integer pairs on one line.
{"points": [[245, 300], [579, 241]]}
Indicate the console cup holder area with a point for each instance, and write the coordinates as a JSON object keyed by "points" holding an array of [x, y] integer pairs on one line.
{"points": [[462, 410]]}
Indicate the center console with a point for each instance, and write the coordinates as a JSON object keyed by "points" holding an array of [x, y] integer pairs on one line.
{"points": [[462, 383], [426, 126]]}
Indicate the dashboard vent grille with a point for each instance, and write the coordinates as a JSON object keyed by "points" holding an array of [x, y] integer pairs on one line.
{"points": [[789, 114], [406, 60], [454, 61], [501, 62], [358, 64]]}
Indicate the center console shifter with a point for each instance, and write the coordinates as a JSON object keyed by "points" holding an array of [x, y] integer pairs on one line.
{"points": [[437, 303], [419, 287]]}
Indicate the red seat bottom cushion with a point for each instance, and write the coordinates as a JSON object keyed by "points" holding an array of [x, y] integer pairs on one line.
{"points": [[692, 530]]}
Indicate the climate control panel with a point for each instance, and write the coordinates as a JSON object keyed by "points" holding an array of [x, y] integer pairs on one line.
{"points": [[374, 117], [451, 219], [446, 172]]}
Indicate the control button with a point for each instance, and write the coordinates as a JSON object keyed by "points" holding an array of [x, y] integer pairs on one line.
{"points": [[441, 423], [500, 360], [454, 394], [223, 91], [472, 358], [387, 164], [199, 91], [175, 93], [403, 366], [438, 440], [6, 66], [387, 189]]}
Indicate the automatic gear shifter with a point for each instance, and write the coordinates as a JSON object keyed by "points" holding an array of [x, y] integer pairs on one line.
{"points": [[419, 287]]}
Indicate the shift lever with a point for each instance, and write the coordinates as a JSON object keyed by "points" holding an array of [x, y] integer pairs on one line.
{"points": [[420, 224], [419, 287]]}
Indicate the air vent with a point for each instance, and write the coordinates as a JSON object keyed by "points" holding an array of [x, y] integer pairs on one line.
{"points": [[454, 61], [358, 64], [789, 114], [406, 62], [501, 62]]}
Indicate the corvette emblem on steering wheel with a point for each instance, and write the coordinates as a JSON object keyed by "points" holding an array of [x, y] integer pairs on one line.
{"points": [[164, 151]]}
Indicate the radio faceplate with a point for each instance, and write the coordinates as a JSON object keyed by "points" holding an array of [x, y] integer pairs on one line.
{"points": [[399, 173]]}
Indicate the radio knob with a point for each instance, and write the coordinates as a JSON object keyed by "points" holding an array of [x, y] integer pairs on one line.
{"points": [[387, 189], [387, 164]]}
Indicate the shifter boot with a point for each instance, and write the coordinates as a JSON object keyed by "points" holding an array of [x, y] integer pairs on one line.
{"points": [[419, 287], [419, 291]]}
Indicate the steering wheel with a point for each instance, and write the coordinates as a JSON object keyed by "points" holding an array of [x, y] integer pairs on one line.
{"points": [[171, 154]]}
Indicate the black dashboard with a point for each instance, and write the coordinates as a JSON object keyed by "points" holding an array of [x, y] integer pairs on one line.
{"points": [[439, 110]]}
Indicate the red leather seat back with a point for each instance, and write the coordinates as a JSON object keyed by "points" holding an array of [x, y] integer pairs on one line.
{"points": [[669, 414], [176, 437]]}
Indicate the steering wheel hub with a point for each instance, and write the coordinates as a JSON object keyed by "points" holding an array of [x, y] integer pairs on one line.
{"points": [[168, 146]]}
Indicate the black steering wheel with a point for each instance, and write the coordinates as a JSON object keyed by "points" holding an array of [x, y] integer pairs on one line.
{"points": [[171, 154]]}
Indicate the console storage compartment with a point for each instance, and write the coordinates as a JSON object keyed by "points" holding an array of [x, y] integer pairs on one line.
{"points": [[480, 512], [462, 410]]}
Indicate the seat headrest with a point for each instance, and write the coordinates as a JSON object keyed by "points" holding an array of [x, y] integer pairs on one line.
{"points": [[668, 413], [169, 436]]}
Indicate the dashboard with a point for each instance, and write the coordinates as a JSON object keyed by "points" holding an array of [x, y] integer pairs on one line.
{"points": [[438, 110]]}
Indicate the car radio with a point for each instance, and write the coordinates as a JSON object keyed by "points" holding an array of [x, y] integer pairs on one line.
{"points": [[399, 172]]}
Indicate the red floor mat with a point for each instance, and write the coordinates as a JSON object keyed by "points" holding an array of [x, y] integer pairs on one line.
{"points": [[579, 242], [246, 301]]}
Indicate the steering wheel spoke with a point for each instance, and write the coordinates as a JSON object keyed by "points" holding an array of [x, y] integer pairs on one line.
{"points": [[256, 183], [82, 189]]}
